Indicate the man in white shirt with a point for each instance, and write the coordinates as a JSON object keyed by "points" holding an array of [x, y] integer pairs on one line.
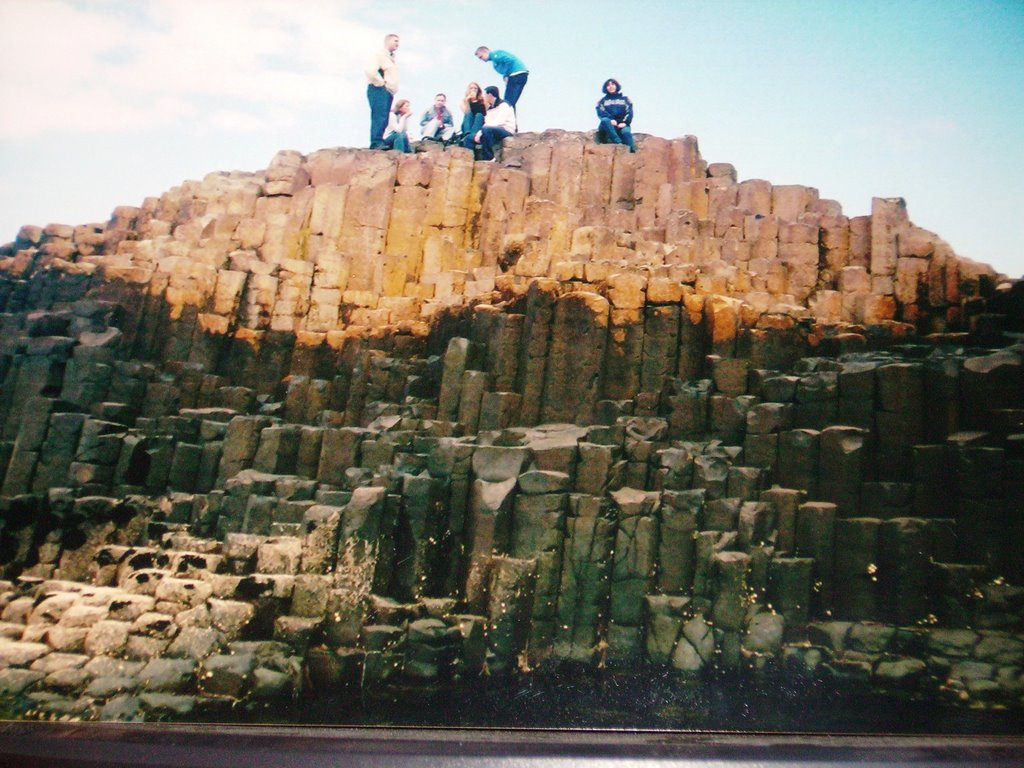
{"points": [[499, 124], [382, 84]]}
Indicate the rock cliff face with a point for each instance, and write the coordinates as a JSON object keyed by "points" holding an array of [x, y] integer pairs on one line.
{"points": [[364, 417]]}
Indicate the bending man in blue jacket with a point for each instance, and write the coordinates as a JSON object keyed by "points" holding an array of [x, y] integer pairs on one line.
{"points": [[616, 113], [509, 67]]}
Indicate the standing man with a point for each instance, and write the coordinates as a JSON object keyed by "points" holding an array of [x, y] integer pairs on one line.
{"points": [[509, 67], [382, 84]]}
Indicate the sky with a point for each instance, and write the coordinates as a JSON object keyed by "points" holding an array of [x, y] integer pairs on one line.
{"points": [[106, 102]]}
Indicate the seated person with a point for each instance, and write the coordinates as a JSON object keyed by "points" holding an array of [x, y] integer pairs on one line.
{"points": [[437, 122], [616, 113], [499, 124], [473, 110], [397, 134]]}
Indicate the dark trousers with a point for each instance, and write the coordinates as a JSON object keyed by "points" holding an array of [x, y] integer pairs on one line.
{"points": [[514, 88], [621, 135], [380, 103], [489, 138]]}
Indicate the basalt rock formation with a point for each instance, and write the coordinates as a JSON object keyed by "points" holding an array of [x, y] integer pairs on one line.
{"points": [[363, 418]]}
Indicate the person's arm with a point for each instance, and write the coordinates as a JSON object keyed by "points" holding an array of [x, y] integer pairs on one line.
{"points": [[446, 117], [426, 117], [508, 118], [628, 118], [499, 116], [373, 71], [602, 113], [390, 73]]}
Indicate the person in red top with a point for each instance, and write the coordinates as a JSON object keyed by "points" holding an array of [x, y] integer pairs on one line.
{"points": [[437, 122]]}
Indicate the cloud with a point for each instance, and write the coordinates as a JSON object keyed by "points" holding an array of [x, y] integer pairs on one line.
{"points": [[108, 66]]}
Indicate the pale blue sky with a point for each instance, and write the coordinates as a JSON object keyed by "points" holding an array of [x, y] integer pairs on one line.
{"points": [[103, 103]]}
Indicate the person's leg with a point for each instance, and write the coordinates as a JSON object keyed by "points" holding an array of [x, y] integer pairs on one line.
{"points": [[380, 105], [489, 139], [487, 143], [380, 102], [371, 99], [469, 143], [402, 142], [447, 131], [608, 132], [430, 128], [627, 137], [514, 88], [476, 123]]}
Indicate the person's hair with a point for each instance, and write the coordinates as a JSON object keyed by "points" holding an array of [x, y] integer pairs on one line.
{"points": [[609, 81], [493, 90], [390, 36], [482, 48], [441, 94], [479, 99], [399, 104]]}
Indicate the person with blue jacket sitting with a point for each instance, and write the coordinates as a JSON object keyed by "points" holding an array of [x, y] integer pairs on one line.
{"points": [[615, 111], [437, 122], [510, 67]]}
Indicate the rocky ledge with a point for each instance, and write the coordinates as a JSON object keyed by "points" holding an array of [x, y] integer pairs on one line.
{"points": [[363, 420]]}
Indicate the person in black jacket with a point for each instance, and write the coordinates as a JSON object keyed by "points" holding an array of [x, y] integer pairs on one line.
{"points": [[616, 113]]}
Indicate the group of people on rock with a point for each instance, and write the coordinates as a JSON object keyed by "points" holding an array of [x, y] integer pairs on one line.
{"points": [[487, 117]]}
